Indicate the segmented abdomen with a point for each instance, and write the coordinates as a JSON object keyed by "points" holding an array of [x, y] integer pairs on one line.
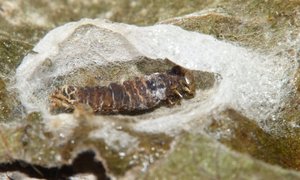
{"points": [[142, 93]]}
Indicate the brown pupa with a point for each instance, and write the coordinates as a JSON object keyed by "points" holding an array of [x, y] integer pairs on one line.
{"points": [[136, 95]]}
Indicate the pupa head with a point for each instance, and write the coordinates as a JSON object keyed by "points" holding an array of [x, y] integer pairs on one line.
{"points": [[186, 82]]}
